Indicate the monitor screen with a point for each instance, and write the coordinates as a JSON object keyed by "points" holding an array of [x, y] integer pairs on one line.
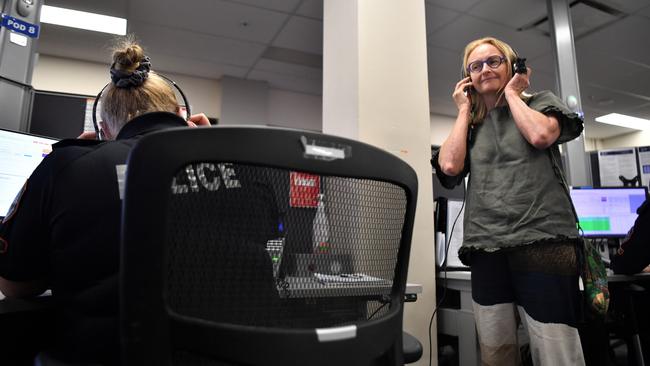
{"points": [[61, 115], [20, 154], [607, 212]]}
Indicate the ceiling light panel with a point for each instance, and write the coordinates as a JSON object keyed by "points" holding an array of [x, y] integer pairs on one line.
{"points": [[83, 20]]}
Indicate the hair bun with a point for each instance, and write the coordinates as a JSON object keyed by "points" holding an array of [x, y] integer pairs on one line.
{"points": [[130, 66], [128, 57]]}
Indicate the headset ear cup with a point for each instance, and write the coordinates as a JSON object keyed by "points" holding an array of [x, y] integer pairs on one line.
{"points": [[98, 133]]}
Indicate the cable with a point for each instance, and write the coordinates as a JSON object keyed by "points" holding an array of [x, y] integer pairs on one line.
{"points": [[376, 311], [444, 269]]}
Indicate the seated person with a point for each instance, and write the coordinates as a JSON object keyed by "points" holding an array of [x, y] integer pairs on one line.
{"points": [[633, 256], [63, 230]]}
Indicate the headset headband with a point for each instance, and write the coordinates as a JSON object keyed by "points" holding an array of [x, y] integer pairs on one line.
{"points": [[170, 81]]}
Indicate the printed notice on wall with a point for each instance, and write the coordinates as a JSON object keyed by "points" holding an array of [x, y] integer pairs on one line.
{"points": [[88, 118], [644, 164], [615, 163], [455, 210]]}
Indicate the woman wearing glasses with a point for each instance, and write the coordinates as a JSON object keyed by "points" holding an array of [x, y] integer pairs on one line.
{"points": [[519, 229]]}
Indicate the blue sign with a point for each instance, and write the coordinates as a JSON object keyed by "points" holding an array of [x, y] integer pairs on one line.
{"points": [[20, 26]]}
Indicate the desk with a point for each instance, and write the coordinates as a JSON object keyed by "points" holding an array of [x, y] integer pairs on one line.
{"points": [[8, 306], [460, 322]]}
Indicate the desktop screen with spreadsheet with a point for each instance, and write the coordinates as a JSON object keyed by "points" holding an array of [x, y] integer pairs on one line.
{"points": [[607, 212], [20, 154]]}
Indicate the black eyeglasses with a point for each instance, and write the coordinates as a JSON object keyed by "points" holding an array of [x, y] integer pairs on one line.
{"points": [[492, 61]]}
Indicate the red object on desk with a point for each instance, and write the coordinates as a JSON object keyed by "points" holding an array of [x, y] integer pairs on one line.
{"points": [[304, 190]]}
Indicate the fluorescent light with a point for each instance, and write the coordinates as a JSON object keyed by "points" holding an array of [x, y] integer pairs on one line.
{"points": [[83, 20], [622, 120]]}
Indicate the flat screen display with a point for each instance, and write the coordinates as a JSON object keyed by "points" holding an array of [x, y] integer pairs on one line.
{"points": [[607, 212], [20, 154]]}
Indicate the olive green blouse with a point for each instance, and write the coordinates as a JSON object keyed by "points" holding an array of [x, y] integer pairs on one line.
{"points": [[514, 194]]}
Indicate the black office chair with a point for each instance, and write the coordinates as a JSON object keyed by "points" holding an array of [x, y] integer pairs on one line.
{"points": [[202, 274]]}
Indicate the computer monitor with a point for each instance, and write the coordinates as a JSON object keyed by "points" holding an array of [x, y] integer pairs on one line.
{"points": [[20, 154], [607, 212]]}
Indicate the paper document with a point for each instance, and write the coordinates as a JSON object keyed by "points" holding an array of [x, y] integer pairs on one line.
{"points": [[644, 164], [614, 163]]}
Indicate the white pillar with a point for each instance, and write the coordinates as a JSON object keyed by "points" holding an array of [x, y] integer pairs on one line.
{"points": [[375, 90]]}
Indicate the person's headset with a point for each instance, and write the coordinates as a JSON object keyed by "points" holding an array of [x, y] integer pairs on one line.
{"points": [[518, 66], [98, 131]]}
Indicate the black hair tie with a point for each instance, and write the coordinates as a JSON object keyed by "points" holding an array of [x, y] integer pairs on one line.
{"points": [[124, 79]]}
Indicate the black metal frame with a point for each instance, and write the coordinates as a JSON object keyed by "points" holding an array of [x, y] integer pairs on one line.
{"points": [[146, 322]]}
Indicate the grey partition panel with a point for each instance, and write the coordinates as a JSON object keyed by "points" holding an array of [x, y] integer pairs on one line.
{"points": [[17, 55]]}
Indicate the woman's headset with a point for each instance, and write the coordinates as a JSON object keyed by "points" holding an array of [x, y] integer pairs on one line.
{"points": [[172, 82], [518, 66]]}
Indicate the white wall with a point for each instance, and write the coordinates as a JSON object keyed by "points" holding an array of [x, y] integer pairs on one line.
{"points": [[244, 102], [641, 138], [295, 110], [88, 78]]}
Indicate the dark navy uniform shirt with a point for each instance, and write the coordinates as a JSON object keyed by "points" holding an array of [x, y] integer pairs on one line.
{"points": [[634, 254], [65, 230]]}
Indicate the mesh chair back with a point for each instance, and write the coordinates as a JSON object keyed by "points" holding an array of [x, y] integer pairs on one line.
{"points": [[242, 251]]}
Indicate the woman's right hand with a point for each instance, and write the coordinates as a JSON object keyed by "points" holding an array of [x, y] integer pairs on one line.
{"points": [[461, 97]]}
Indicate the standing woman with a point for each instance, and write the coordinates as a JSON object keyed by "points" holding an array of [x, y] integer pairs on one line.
{"points": [[520, 235]]}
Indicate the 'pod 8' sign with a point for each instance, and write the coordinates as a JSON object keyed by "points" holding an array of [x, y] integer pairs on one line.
{"points": [[20, 26]]}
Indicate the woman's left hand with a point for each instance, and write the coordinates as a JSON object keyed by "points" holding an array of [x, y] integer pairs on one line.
{"points": [[519, 83], [196, 120]]}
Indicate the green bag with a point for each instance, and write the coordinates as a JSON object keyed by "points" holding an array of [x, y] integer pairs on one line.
{"points": [[591, 266], [594, 279]]}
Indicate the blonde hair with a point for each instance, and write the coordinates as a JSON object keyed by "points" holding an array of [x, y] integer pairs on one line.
{"points": [[479, 109], [119, 105]]}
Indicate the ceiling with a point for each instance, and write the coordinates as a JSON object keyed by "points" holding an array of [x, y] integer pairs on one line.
{"points": [[280, 41]]}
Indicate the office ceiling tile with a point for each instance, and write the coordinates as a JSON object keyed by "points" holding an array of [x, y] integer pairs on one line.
{"points": [[286, 6], [540, 80], [642, 111], [544, 63], [635, 85], [645, 12], [179, 64], [311, 9], [467, 28], [503, 12], [594, 68], [627, 6], [303, 34], [198, 46], [284, 68], [459, 5], [90, 46], [607, 100], [215, 17], [441, 81], [438, 17], [443, 106], [625, 38], [584, 19], [284, 82], [440, 62]]}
